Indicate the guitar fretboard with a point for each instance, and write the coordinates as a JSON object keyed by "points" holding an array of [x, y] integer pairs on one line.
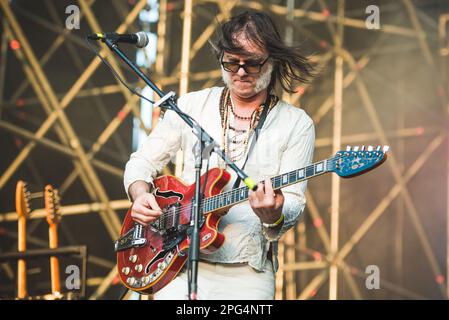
{"points": [[237, 195]]}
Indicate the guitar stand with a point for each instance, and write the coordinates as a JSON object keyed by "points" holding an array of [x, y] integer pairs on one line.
{"points": [[76, 251]]}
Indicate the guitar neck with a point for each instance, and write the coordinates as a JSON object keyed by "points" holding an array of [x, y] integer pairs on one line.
{"points": [[54, 262], [21, 265], [232, 197]]}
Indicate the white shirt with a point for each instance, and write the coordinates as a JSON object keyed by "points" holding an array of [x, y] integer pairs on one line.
{"points": [[285, 143]]}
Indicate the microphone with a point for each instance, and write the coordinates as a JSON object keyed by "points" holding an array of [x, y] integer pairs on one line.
{"points": [[140, 39]]}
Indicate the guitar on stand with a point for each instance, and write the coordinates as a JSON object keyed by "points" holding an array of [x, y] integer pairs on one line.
{"points": [[148, 258], [52, 209], [23, 211]]}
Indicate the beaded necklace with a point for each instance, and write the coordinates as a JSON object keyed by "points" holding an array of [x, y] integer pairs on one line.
{"points": [[235, 141]]}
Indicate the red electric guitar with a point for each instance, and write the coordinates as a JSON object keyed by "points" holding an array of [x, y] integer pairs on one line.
{"points": [[148, 258]]}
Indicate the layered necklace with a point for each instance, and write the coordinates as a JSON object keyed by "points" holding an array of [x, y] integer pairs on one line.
{"points": [[234, 139]]}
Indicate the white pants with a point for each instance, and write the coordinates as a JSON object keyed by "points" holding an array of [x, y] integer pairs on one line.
{"points": [[218, 281]]}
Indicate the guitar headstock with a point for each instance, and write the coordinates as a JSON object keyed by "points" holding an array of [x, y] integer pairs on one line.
{"points": [[23, 197], [356, 161], [52, 206]]}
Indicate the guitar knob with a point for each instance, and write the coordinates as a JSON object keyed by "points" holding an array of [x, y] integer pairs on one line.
{"points": [[126, 270], [131, 281], [138, 268], [161, 265], [133, 258], [145, 280]]}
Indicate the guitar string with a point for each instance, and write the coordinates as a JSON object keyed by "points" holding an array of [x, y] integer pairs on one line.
{"points": [[167, 215], [215, 198], [330, 162]]}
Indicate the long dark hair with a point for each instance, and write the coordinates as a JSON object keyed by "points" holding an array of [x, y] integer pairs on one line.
{"points": [[259, 29]]}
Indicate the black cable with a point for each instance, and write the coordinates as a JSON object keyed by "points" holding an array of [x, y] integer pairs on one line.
{"points": [[114, 73], [123, 293], [126, 85]]}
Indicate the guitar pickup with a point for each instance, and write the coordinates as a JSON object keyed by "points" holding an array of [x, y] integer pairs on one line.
{"points": [[139, 242]]}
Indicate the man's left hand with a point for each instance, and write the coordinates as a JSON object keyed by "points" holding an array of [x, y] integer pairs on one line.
{"points": [[266, 203]]}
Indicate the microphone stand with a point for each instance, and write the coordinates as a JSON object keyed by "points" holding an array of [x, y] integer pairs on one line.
{"points": [[204, 147]]}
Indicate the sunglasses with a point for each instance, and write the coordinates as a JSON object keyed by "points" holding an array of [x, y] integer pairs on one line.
{"points": [[250, 68]]}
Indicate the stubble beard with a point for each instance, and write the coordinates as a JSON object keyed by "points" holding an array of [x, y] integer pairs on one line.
{"points": [[262, 82]]}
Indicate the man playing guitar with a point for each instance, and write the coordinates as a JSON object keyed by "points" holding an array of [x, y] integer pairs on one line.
{"points": [[253, 60]]}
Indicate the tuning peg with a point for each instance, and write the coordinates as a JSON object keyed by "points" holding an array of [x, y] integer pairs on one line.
{"points": [[378, 148], [356, 148], [348, 148], [370, 148], [386, 148], [362, 148]]}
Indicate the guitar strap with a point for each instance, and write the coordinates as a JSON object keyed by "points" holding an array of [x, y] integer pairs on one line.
{"points": [[263, 115]]}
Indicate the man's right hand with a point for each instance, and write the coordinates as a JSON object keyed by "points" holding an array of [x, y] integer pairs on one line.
{"points": [[145, 209]]}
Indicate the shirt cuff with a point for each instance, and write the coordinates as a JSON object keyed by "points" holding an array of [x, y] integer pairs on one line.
{"points": [[129, 182], [292, 209]]}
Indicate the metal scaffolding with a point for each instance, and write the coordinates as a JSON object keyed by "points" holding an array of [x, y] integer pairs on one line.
{"points": [[315, 256]]}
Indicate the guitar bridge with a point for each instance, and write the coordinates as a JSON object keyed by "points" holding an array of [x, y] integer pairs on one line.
{"points": [[134, 238]]}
